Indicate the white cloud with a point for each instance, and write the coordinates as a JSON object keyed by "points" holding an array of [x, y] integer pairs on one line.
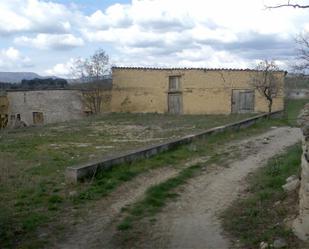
{"points": [[158, 32], [51, 41], [62, 69], [17, 16], [171, 27], [116, 15], [12, 59]]}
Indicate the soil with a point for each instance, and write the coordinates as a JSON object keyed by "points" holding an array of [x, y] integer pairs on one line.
{"points": [[192, 220], [97, 228]]}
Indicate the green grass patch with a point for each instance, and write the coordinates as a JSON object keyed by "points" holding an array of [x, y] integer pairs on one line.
{"points": [[293, 108], [156, 197], [256, 218]]}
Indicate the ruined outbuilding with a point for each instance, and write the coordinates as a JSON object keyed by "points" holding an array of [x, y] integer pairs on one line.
{"points": [[37, 107], [188, 91]]}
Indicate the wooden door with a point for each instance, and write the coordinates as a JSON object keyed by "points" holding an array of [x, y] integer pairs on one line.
{"points": [[242, 101], [175, 103], [3, 121], [38, 118]]}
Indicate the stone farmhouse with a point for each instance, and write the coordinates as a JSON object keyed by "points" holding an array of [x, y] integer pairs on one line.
{"points": [[37, 107], [143, 90], [188, 91]]}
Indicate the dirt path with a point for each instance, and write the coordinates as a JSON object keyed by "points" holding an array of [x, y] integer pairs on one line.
{"points": [[192, 221], [96, 230]]}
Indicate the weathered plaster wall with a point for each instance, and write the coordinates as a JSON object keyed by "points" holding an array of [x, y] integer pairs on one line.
{"points": [[4, 104], [301, 224], [56, 105], [203, 91]]}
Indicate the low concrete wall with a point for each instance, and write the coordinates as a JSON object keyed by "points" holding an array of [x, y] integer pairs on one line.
{"points": [[301, 224], [76, 173]]}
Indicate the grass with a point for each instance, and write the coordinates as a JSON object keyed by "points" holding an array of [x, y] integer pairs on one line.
{"points": [[257, 218], [105, 182], [293, 108], [33, 192], [33, 160], [156, 197]]}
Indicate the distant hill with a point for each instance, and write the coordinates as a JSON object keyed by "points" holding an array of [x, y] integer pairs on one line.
{"points": [[17, 77], [35, 84]]}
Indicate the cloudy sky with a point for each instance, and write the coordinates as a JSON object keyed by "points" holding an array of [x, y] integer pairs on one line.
{"points": [[44, 36]]}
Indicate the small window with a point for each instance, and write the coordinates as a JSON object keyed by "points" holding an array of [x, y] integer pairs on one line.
{"points": [[174, 83], [18, 117], [38, 118]]}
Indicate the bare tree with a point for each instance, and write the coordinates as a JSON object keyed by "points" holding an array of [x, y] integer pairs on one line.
{"points": [[266, 80], [91, 73], [302, 64], [78, 70], [97, 66], [302, 40], [289, 4]]}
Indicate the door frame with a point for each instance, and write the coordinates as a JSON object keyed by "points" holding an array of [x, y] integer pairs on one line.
{"points": [[243, 90], [179, 93]]}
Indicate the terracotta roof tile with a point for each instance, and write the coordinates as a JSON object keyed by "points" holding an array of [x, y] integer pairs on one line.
{"points": [[185, 68]]}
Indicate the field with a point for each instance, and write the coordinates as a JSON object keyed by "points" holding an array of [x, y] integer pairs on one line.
{"points": [[33, 193], [33, 160]]}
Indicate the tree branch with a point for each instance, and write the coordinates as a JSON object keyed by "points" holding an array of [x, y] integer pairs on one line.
{"points": [[296, 6]]}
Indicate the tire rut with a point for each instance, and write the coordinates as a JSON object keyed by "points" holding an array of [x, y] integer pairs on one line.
{"points": [[192, 221]]}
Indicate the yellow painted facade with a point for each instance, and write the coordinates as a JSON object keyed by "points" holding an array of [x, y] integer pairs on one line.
{"points": [[204, 91], [4, 109], [4, 105]]}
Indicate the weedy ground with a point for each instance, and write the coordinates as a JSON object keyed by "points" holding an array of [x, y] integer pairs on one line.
{"points": [[33, 193], [262, 214]]}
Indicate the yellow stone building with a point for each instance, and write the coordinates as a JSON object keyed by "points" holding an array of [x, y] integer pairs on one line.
{"points": [[4, 110], [189, 91]]}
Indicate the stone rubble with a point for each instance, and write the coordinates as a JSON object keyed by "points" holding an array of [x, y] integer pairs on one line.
{"points": [[301, 223]]}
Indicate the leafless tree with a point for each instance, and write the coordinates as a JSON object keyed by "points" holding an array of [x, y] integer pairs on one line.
{"points": [[302, 64], [302, 40], [289, 4], [91, 72], [78, 70], [266, 80], [97, 66]]}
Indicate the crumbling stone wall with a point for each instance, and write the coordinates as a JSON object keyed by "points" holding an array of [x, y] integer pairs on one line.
{"points": [[301, 224], [54, 105]]}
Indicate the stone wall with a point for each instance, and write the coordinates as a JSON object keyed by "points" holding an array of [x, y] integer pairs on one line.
{"points": [[301, 224], [55, 105]]}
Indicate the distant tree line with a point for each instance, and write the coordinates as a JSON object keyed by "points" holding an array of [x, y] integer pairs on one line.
{"points": [[36, 84]]}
